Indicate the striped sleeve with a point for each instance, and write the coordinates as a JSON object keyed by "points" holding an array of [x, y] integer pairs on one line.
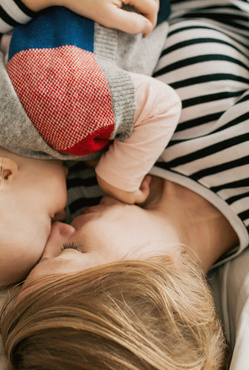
{"points": [[12, 13]]}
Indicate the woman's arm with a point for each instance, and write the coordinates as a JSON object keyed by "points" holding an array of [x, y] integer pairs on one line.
{"points": [[109, 12], [106, 12]]}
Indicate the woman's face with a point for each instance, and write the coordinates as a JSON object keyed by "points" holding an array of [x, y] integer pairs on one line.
{"points": [[32, 193], [108, 232]]}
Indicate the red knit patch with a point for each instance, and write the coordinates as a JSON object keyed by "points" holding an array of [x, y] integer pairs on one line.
{"points": [[66, 96]]}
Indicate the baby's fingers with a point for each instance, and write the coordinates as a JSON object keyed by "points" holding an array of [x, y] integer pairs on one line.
{"points": [[142, 194]]}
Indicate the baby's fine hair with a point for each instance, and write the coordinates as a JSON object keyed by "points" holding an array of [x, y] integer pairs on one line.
{"points": [[137, 314]]}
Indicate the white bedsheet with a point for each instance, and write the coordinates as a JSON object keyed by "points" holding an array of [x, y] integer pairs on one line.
{"points": [[230, 284]]}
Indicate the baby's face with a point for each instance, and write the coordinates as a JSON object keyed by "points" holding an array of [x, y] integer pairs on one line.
{"points": [[30, 198]]}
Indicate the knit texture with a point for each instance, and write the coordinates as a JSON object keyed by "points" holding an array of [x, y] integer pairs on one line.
{"points": [[61, 86]]}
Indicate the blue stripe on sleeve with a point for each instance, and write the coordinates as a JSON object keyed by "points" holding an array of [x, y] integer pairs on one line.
{"points": [[53, 28]]}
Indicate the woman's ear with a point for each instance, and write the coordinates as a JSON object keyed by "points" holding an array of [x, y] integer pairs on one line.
{"points": [[8, 168]]}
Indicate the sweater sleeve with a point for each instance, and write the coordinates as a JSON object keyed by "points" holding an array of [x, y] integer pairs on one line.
{"points": [[158, 109], [12, 13]]}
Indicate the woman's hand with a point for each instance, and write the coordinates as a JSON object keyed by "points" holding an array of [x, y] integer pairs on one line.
{"points": [[109, 13]]}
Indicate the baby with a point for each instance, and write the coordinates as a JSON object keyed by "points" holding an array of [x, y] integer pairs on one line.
{"points": [[85, 102]]}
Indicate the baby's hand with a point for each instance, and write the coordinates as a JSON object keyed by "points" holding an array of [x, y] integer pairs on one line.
{"points": [[109, 13], [138, 196]]}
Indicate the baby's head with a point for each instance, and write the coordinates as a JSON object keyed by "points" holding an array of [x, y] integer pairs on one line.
{"points": [[32, 192]]}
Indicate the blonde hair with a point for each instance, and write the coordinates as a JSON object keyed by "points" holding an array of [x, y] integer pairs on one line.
{"points": [[144, 314]]}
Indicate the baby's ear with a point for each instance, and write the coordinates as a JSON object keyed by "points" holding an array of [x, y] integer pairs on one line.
{"points": [[8, 168]]}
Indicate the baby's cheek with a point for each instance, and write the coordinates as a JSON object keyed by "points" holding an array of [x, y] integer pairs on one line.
{"points": [[17, 265]]}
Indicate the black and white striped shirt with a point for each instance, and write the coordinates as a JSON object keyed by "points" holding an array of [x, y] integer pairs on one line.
{"points": [[12, 13]]}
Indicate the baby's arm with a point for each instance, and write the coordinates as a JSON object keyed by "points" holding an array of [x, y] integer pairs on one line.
{"points": [[121, 170], [108, 12]]}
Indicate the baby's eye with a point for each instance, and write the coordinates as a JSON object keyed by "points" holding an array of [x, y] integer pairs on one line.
{"points": [[70, 246]]}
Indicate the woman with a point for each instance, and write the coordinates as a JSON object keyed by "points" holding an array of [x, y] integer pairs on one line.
{"points": [[152, 309], [197, 210]]}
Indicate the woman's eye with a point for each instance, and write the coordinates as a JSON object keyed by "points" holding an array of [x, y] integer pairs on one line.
{"points": [[70, 246]]}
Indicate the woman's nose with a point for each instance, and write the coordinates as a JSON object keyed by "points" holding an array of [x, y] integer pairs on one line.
{"points": [[59, 235]]}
